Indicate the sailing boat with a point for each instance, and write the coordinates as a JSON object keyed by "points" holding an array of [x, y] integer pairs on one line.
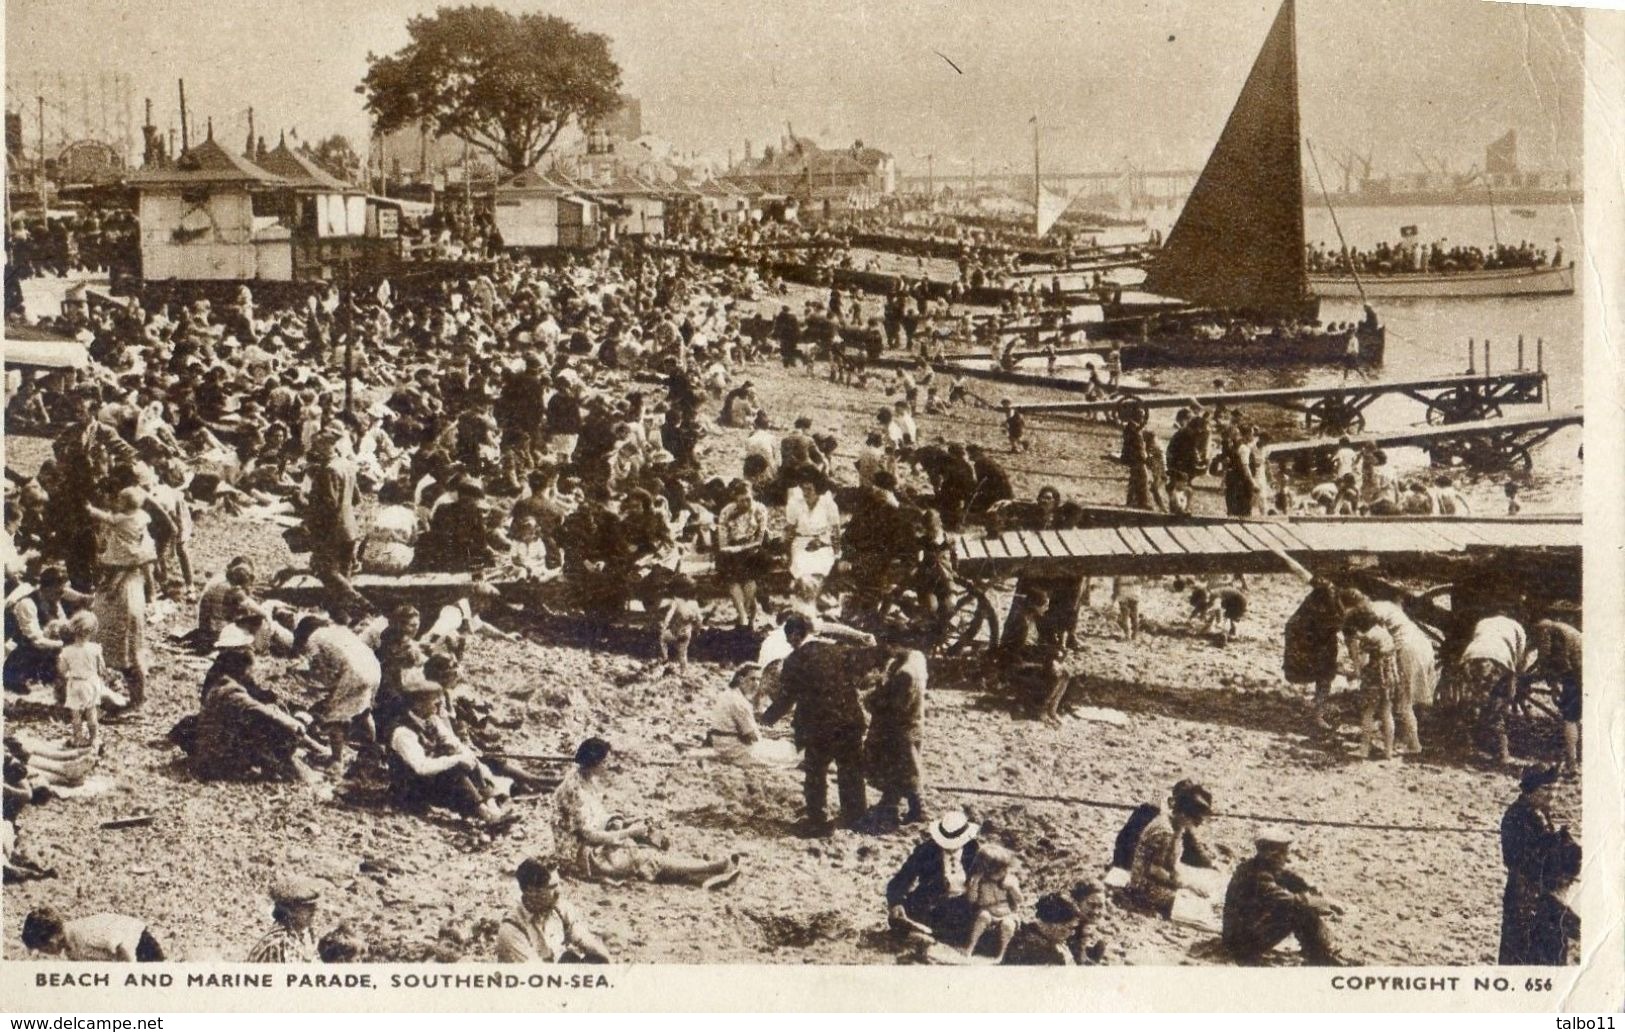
{"points": [[1232, 279]]}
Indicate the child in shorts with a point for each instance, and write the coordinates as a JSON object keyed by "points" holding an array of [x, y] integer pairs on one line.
{"points": [[995, 896], [1126, 592], [82, 671], [1015, 427]]}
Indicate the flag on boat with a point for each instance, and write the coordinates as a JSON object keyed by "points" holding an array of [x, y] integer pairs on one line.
{"points": [[1050, 208], [1407, 231]]}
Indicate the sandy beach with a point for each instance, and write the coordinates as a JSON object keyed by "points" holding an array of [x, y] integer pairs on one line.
{"points": [[1179, 706]]}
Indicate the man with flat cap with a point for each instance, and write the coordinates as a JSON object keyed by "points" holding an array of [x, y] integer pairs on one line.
{"points": [[544, 928], [1529, 846], [1266, 902], [293, 940]]}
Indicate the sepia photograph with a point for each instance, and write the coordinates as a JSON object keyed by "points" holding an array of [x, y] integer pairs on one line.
{"points": [[538, 482]]}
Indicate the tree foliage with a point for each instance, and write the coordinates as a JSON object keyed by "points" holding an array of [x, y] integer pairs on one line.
{"points": [[507, 84], [338, 157]]}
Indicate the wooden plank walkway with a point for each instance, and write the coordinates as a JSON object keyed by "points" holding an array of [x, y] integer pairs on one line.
{"points": [[1423, 437], [1247, 546]]}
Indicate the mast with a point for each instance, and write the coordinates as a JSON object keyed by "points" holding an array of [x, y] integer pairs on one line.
{"points": [[39, 172], [1341, 241], [1495, 228], [1038, 186]]}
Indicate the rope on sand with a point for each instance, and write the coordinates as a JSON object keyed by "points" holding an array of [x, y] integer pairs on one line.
{"points": [[1106, 804]]}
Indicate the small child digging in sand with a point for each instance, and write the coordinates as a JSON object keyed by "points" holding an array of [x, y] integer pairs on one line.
{"points": [[682, 620]]}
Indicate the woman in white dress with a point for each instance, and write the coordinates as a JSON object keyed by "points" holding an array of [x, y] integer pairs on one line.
{"points": [[1413, 652], [813, 528], [734, 733]]}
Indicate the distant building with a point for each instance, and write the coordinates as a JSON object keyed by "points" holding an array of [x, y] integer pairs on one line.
{"points": [[824, 182], [627, 121]]}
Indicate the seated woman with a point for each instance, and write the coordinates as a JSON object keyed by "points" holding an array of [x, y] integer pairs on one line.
{"points": [[529, 557], [739, 407], [813, 533], [734, 733], [430, 766], [595, 844], [741, 562], [1164, 846], [224, 600], [398, 651]]}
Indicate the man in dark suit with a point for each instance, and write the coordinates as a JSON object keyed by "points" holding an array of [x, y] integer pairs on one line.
{"points": [[929, 889], [819, 682], [787, 331]]}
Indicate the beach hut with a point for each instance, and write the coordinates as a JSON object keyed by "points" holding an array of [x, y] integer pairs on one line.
{"points": [[642, 206], [214, 215], [534, 209], [337, 231]]}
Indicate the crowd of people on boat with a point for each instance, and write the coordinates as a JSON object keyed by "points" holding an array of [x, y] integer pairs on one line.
{"points": [[534, 433], [823, 255], [1439, 257]]}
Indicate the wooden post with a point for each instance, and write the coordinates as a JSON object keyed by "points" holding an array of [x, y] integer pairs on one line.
{"points": [[1486, 356], [1471, 347], [44, 198], [1540, 367], [1520, 352], [349, 340], [186, 134]]}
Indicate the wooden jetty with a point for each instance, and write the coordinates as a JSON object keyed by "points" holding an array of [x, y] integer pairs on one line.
{"points": [[955, 366], [1483, 443], [1449, 399], [1251, 546]]}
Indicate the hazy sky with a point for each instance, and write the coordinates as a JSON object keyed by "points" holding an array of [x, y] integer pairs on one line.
{"points": [[1150, 80]]}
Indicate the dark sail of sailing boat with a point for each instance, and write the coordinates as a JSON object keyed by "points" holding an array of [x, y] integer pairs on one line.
{"points": [[1239, 241], [1231, 283]]}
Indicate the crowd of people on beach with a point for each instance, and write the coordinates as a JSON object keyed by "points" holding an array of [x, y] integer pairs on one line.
{"points": [[543, 438], [58, 242]]}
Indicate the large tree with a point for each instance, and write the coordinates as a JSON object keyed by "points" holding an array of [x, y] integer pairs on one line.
{"points": [[507, 84], [338, 156]]}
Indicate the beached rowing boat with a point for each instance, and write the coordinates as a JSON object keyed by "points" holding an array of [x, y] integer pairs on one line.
{"points": [[1479, 283]]}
